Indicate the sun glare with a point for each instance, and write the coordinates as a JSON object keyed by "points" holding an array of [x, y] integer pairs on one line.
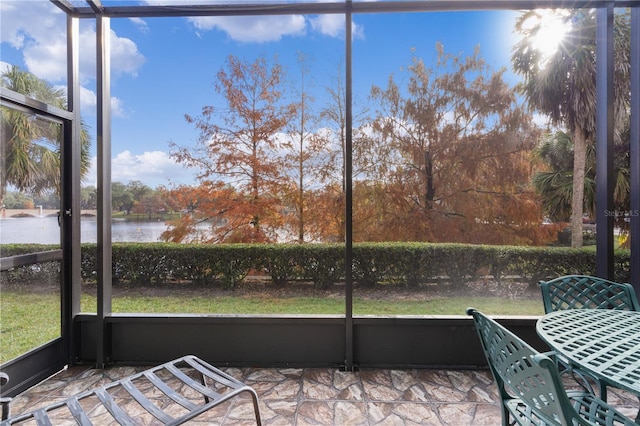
{"points": [[550, 29]]}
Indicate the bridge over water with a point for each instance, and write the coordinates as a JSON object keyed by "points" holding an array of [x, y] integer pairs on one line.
{"points": [[38, 212]]}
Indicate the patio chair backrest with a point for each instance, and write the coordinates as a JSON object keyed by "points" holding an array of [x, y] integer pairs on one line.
{"points": [[587, 292], [521, 371]]}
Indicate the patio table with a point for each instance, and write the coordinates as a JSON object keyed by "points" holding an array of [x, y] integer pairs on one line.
{"points": [[604, 342]]}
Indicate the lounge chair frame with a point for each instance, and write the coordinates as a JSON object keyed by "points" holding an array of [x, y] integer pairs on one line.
{"points": [[187, 386]]}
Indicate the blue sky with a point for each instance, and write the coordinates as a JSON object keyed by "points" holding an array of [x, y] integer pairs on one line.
{"points": [[163, 68]]}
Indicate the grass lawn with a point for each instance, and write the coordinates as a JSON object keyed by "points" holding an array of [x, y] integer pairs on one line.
{"points": [[28, 320]]}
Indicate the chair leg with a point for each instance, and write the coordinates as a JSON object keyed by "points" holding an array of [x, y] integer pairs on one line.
{"points": [[583, 380], [6, 408], [602, 388], [203, 382], [256, 406], [506, 416], [254, 399]]}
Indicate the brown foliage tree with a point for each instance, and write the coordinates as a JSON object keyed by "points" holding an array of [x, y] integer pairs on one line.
{"points": [[305, 153], [213, 213], [329, 202], [459, 164], [238, 146]]}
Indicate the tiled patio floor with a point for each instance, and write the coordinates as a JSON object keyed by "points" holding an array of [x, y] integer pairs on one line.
{"points": [[318, 396]]}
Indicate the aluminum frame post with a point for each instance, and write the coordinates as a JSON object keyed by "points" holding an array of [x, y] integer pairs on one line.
{"points": [[348, 178], [604, 142], [103, 79], [71, 153], [634, 150]]}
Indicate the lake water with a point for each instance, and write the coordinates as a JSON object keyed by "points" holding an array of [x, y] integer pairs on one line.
{"points": [[45, 230]]}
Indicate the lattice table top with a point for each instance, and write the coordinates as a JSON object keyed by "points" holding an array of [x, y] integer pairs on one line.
{"points": [[603, 341]]}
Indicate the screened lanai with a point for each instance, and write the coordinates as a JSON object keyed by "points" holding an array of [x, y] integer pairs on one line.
{"points": [[346, 340]]}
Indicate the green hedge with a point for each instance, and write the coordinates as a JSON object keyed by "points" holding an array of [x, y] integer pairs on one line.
{"points": [[408, 264]]}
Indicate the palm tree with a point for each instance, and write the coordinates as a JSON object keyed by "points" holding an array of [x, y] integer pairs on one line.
{"points": [[30, 147], [555, 185], [562, 85]]}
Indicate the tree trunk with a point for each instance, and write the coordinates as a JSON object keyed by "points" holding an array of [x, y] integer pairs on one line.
{"points": [[428, 171], [301, 188], [577, 200]]}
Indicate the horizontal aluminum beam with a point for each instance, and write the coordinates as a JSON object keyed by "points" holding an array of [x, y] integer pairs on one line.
{"points": [[16, 100], [230, 9], [7, 263]]}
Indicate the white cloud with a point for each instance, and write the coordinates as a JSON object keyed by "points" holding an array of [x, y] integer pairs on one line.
{"points": [[141, 24], [125, 57], [333, 26], [89, 101], [47, 60], [4, 66], [259, 29], [253, 29], [27, 23], [152, 168], [272, 28], [38, 28], [117, 107]]}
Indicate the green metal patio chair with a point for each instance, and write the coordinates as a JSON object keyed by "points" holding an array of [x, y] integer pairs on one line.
{"points": [[586, 292], [530, 387]]}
